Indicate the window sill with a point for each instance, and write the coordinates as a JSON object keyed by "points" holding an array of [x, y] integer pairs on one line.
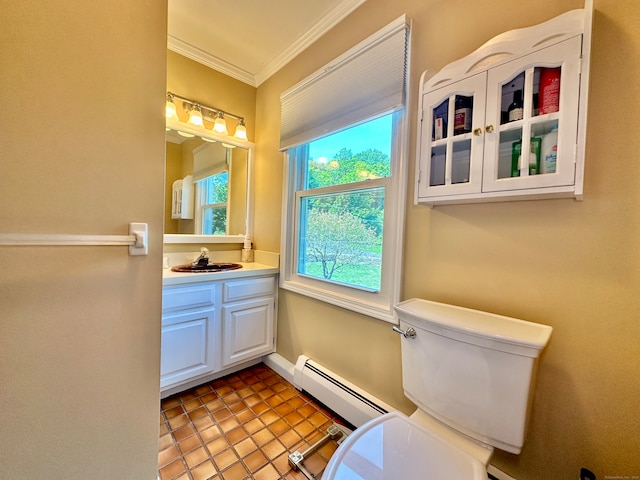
{"points": [[375, 310]]}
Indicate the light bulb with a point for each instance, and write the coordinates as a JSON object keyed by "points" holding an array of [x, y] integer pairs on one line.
{"points": [[170, 110], [195, 116], [241, 130], [220, 125], [185, 134]]}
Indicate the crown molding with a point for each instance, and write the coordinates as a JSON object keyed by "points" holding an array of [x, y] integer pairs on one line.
{"points": [[194, 53], [334, 17]]}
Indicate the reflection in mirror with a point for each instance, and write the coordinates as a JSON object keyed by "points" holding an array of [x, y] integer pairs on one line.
{"points": [[206, 187]]}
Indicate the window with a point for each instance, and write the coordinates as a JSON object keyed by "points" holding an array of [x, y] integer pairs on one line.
{"points": [[345, 190], [212, 194], [341, 205]]}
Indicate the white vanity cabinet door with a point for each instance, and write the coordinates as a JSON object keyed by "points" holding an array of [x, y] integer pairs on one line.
{"points": [[188, 346], [247, 330], [248, 319]]}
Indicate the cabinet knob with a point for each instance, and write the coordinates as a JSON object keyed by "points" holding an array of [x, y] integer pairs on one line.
{"points": [[488, 128], [477, 132]]}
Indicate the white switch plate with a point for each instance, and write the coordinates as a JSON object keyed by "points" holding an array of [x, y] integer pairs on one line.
{"points": [[141, 232]]}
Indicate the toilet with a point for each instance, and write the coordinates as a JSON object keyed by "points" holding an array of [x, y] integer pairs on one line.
{"points": [[471, 374]]}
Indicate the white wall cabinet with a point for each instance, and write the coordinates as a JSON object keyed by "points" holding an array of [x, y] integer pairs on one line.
{"points": [[182, 199], [210, 327], [472, 149]]}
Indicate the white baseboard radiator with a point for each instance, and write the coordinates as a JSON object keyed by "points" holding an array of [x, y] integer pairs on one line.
{"points": [[350, 402]]}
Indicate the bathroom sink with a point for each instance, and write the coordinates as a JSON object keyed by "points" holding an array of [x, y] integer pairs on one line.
{"points": [[205, 268]]}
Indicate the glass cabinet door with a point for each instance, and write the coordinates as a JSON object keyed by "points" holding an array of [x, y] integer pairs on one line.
{"points": [[451, 150], [531, 119]]}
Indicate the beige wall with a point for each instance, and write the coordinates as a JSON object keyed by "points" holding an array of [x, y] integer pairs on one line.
{"points": [[82, 87], [572, 265]]}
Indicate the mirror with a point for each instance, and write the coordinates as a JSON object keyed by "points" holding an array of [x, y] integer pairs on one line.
{"points": [[190, 160]]}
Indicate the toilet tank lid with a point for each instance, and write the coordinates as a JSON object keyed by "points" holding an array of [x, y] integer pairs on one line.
{"points": [[498, 329]]}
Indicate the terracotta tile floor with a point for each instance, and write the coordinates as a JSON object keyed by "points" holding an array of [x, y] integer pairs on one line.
{"points": [[242, 426]]}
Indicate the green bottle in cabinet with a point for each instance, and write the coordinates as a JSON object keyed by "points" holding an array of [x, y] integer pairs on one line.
{"points": [[534, 157]]}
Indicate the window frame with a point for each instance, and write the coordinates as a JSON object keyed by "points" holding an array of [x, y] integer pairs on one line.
{"points": [[374, 304], [200, 204]]}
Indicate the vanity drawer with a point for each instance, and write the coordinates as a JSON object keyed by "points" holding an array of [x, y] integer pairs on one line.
{"points": [[248, 288], [201, 295]]}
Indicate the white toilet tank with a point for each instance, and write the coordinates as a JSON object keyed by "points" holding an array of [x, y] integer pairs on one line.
{"points": [[473, 371]]}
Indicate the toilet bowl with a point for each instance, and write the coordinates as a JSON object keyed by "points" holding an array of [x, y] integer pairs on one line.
{"points": [[395, 447], [471, 375]]}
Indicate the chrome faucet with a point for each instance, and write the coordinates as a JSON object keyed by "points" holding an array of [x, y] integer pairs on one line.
{"points": [[203, 259]]}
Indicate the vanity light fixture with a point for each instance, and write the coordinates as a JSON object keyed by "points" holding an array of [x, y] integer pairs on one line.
{"points": [[171, 111], [241, 130], [220, 125], [195, 116], [199, 113], [185, 134]]}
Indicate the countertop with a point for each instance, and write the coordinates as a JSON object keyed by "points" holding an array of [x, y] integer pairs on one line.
{"points": [[248, 270]]}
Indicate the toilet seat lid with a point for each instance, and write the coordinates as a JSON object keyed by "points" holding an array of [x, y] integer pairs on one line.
{"points": [[395, 447]]}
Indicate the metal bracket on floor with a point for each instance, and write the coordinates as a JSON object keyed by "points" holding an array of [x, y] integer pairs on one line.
{"points": [[296, 459]]}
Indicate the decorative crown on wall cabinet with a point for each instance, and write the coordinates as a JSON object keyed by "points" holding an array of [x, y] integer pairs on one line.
{"points": [[508, 121]]}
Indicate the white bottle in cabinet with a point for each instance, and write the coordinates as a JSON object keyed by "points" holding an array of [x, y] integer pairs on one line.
{"points": [[498, 159]]}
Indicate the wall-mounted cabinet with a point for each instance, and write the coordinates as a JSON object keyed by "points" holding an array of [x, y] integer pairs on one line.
{"points": [[508, 121], [182, 199]]}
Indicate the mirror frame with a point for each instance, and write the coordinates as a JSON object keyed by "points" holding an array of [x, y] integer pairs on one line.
{"points": [[248, 221]]}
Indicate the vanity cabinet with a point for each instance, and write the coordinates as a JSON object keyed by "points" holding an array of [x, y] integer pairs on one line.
{"points": [[247, 319], [189, 325], [211, 327], [508, 121]]}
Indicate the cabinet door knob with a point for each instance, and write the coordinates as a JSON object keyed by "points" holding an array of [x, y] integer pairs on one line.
{"points": [[488, 128], [477, 132]]}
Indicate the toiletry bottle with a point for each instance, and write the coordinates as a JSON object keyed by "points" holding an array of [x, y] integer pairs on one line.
{"points": [[516, 155], [462, 117], [534, 156], [549, 151], [515, 109], [247, 252], [549, 90], [440, 121]]}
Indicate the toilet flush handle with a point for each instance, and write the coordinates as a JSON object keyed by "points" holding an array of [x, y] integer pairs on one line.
{"points": [[408, 333]]}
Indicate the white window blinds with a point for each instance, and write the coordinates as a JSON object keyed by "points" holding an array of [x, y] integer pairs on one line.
{"points": [[368, 80], [209, 159]]}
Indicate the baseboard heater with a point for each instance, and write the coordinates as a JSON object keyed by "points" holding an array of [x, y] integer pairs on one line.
{"points": [[350, 402]]}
